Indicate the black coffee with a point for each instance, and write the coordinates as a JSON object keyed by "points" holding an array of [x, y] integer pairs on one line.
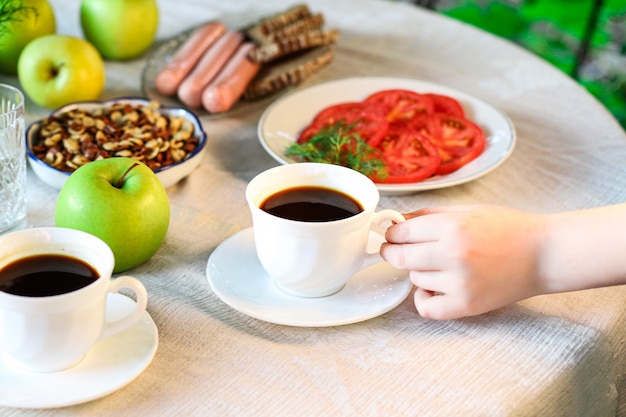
{"points": [[45, 275], [311, 204]]}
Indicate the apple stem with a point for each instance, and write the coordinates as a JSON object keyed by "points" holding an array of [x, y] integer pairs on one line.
{"points": [[120, 182]]}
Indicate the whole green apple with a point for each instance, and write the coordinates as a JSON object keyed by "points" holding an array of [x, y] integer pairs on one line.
{"points": [[55, 70], [25, 21], [119, 29], [121, 201]]}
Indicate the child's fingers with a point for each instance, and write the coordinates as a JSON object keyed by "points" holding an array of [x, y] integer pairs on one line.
{"points": [[425, 256]]}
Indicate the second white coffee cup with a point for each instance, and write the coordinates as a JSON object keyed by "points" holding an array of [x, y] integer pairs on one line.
{"points": [[53, 332], [314, 258]]}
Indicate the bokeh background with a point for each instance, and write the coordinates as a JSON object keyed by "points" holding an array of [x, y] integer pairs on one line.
{"points": [[584, 38]]}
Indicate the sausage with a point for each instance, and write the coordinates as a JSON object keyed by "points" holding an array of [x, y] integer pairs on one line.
{"points": [[213, 60], [186, 57], [231, 82]]}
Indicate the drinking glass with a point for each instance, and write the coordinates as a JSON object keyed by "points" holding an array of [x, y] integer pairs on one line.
{"points": [[12, 159]]}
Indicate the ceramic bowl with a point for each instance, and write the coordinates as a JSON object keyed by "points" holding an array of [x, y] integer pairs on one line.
{"points": [[168, 175]]}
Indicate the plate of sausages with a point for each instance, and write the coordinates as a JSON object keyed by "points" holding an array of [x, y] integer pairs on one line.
{"points": [[203, 68], [213, 68]]}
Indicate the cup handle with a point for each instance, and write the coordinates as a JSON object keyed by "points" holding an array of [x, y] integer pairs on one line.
{"points": [[385, 215], [142, 302], [377, 220]]}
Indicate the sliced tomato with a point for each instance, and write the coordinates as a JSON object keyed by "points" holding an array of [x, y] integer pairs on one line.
{"points": [[408, 155], [418, 135], [458, 140], [402, 105], [367, 120], [446, 104], [308, 132]]}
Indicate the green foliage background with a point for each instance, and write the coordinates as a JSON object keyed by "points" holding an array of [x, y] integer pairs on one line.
{"points": [[554, 30]]}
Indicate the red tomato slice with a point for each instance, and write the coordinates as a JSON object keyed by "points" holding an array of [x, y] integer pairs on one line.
{"points": [[409, 156], [368, 120], [459, 140], [402, 105], [446, 104]]}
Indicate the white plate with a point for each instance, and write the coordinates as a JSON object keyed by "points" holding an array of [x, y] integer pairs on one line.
{"points": [[237, 277], [108, 366], [282, 121]]}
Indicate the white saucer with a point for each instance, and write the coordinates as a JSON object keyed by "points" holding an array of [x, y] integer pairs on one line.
{"points": [[237, 277], [110, 365]]}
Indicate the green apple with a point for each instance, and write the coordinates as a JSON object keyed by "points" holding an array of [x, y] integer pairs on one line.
{"points": [[55, 70], [119, 29], [20, 22], [121, 201]]}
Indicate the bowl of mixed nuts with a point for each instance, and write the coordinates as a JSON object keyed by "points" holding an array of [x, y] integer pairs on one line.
{"points": [[170, 140]]}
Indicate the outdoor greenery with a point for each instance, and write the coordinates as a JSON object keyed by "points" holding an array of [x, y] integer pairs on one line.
{"points": [[555, 30]]}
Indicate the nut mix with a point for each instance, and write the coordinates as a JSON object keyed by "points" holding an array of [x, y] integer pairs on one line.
{"points": [[70, 139]]}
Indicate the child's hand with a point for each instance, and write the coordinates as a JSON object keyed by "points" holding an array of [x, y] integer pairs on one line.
{"points": [[466, 260]]}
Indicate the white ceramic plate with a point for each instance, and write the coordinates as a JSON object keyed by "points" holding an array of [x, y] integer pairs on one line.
{"points": [[282, 121], [169, 175], [237, 278], [110, 365]]}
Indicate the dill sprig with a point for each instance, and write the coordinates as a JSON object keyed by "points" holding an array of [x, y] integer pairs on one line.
{"points": [[13, 11], [338, 144]]}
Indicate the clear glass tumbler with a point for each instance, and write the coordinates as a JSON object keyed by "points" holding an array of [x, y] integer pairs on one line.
{"points": [[12, 159]]}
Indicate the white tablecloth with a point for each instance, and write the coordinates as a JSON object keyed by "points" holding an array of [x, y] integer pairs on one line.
{"points": [[557, 355]]}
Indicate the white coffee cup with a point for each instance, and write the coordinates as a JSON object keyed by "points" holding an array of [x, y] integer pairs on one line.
{"points": [[54, 332], [314, 259]]}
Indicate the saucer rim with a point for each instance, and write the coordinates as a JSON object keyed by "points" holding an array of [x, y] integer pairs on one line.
{"points": [[403, 286], [139, 363]]}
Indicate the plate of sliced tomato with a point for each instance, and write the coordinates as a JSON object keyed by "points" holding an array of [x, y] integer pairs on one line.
{"points": [[428, 135]]}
